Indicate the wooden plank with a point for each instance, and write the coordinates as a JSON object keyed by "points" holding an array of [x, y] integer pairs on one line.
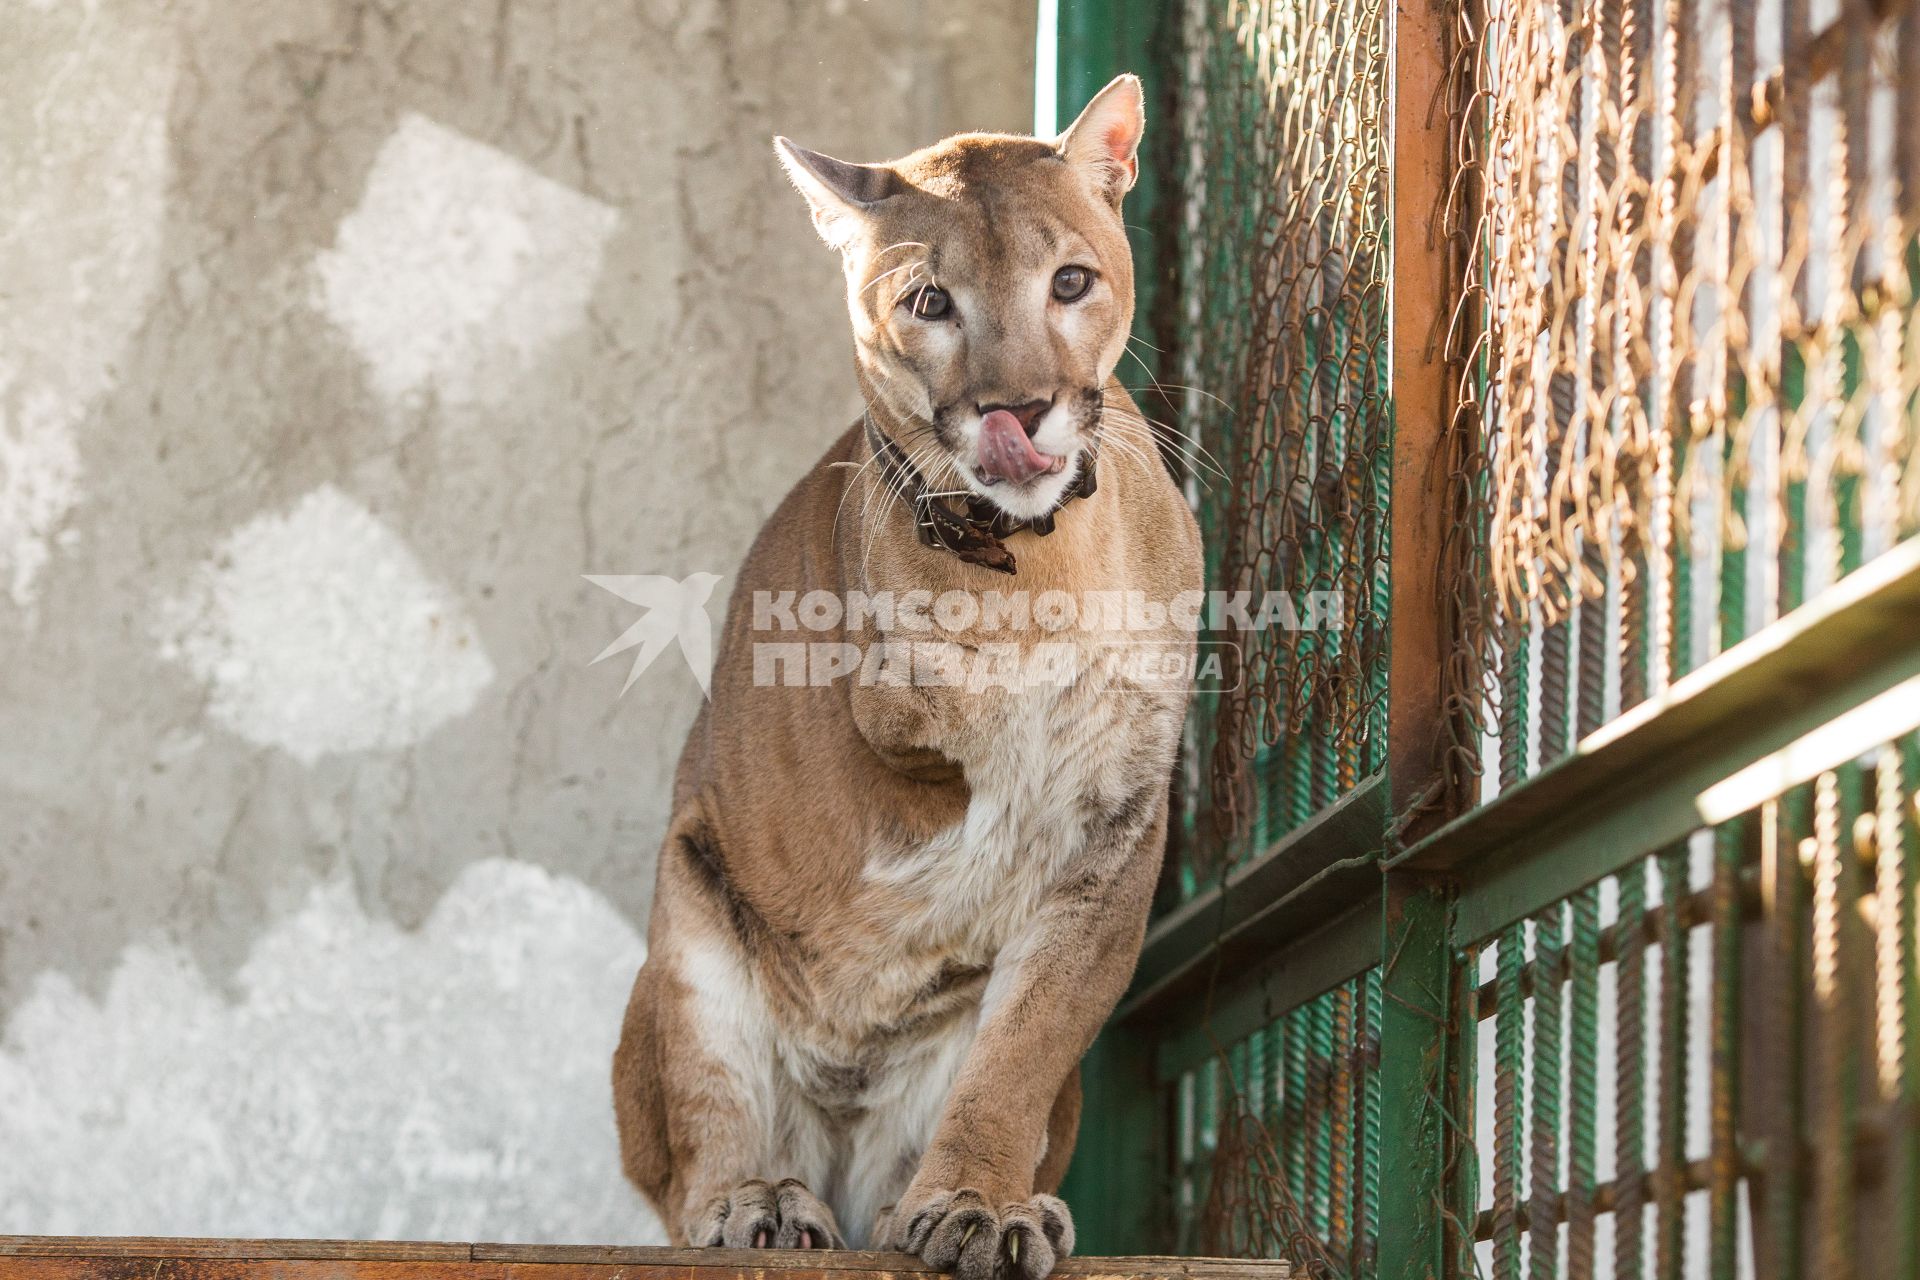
{"points": [[168, 1258], [126, 1267], [1426, 624], [194, 1247]]}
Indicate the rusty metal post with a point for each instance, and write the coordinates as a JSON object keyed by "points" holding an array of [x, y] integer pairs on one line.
{"points": [[1422, 297], [1417, 1047]]}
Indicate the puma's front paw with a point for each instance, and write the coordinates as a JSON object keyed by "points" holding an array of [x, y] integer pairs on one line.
{"points": [[761, 1215], [960, 1233]]}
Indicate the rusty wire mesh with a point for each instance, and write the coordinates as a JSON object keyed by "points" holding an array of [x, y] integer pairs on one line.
{"points": [[1277, 333], [1686, 342], [1687, 372], [1688, 363], [1275, 1140], [1279, 336]]}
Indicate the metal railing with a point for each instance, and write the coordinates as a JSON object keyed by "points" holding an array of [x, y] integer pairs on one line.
{"points": [[1557, 917]]}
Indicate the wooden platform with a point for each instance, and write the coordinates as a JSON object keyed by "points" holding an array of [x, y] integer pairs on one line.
{"points": [[164, 1258]]}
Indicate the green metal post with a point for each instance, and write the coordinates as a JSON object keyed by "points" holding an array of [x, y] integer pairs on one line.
{"points": [[1119, 1166], [1418, 1077], [1098, 40], [1119, 1163]]}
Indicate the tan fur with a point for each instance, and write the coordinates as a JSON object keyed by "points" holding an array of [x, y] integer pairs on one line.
{"points": [[889, 920]]}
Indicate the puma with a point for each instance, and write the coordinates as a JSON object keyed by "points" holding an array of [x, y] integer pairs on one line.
{"points": [[892, 913]]}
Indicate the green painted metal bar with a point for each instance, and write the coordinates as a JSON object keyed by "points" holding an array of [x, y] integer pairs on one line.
{"points": [[1636, 786], [1297, 1113], [1733, 556], [1372, 1169], [1630, 1079], [1227, 1222], [1905, 846], [1583, 1084], [1835, 1067], [1419, 1084], [1679, 606], [1730, 856], [1459, 1110], [1509, 1105], [1210, 1094], [1343, 1138], [1543, 1249], [1849, 513], [1120, 1162], [1514, 674], [1635, 284], [1669, 1182], [1257, 1087], [1892, 894], [1319, 1192], [1792, 821], [1595, 834], [1311, 961]]}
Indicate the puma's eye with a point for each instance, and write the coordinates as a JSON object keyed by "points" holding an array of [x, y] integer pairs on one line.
{"points": [[1070, 284], [930, 303]]}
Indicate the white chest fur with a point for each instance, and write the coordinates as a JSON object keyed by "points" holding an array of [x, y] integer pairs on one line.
{"points": [[1043, 764]]}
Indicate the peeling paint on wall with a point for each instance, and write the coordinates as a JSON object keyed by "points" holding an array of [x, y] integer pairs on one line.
{"points": [[316, 328], [83, 174], [366, 1082], [39, 480], [458, 259], [317, 631]]}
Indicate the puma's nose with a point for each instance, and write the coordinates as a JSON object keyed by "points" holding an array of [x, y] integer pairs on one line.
{"points": [[1028, 413]]}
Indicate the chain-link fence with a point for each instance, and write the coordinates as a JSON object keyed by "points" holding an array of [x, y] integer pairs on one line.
{"points": [[1687, 335], [1629, 985], [1278, 333]]}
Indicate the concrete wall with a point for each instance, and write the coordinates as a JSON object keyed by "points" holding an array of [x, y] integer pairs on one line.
{"points": [[338, 340]]}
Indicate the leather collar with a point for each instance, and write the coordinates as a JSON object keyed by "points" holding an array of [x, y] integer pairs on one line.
{"points": [[975, 532]]}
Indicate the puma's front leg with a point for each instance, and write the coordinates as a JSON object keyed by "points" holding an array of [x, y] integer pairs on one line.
{"points": [[708, 1127], [738, 1181], [971, 1208], [693, 1132]]}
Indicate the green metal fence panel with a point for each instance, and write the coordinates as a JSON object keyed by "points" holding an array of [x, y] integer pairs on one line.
{"points": [[1276, 1137], [1643, 1004], [1791, 1113]]}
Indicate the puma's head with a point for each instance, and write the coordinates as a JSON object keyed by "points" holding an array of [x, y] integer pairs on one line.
{"points": [[991, 289]]}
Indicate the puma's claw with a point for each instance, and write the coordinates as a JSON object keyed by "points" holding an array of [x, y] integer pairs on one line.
{"points": [[761, 1215], [959, 1233]]}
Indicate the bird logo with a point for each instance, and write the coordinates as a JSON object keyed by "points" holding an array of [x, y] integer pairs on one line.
{"points": [[675, 611]]}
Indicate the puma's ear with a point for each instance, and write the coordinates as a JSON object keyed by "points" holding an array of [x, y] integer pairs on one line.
{"points": [[839, 193], [1105, 140]]}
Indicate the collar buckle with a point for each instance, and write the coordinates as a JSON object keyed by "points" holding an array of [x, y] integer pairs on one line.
{"points": [[974, 536]]}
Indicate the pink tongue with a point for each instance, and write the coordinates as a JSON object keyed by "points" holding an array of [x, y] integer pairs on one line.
{"points": [[1005, 451]]}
